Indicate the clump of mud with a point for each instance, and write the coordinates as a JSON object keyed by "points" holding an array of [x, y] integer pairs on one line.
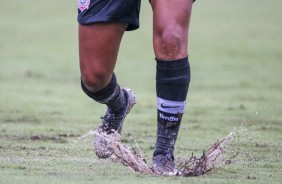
{"points": [[192, 166], [120, 152]]}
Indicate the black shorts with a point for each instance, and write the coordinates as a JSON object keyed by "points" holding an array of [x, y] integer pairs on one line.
{"points": [[124, 11]]}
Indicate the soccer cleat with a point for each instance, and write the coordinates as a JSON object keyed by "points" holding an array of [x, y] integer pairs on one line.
{"points": [[164, 165], [111, 124]]}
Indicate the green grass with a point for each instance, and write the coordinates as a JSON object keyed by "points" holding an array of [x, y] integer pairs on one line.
{"points": [[235, 55]]}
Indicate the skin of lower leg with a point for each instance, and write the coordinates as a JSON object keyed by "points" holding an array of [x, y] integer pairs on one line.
{"points": [[98, 50]]}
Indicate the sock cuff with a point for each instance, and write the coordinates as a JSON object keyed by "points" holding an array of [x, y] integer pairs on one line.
{"points": [[106, 94], [172, 63]]}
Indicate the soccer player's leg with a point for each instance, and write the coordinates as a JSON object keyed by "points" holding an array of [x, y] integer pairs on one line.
{"points": [[171, 25], [101, 27], [98, 49]]}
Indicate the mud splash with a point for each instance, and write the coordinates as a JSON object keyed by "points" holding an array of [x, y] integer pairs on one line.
{"points": [[192, 166]]}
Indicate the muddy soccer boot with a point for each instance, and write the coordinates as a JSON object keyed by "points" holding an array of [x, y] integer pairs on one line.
{"points": [[163, 159], [112, 124], [164, 165]]}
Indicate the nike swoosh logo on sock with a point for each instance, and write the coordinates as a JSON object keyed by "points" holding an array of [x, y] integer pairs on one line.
{"points": [[166, 106]]}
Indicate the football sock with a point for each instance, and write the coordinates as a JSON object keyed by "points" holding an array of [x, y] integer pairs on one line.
{"points": [[111, 95], [172, 83]]}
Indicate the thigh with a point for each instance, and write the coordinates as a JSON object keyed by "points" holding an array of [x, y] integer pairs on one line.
{"points": [[171, 12], [98, 49]]}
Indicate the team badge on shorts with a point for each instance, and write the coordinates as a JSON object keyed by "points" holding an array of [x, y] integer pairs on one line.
{"points": [[83, 4]]}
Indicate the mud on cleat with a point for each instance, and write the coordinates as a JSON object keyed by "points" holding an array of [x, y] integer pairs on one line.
{"points": [[163, 164], [111, 124]]}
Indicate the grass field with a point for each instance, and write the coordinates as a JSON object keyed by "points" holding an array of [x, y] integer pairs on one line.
{"points": [[236, 60]]}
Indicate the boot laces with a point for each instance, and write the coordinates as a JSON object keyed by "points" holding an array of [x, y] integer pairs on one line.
{"points": [[109, 123]]}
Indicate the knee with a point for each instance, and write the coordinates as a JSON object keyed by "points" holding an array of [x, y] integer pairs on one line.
{"points": [[171, 43], [94, 78]]}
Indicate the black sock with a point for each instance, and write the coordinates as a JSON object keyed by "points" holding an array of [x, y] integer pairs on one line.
{"points": [[172, 83], [111, 95]]}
